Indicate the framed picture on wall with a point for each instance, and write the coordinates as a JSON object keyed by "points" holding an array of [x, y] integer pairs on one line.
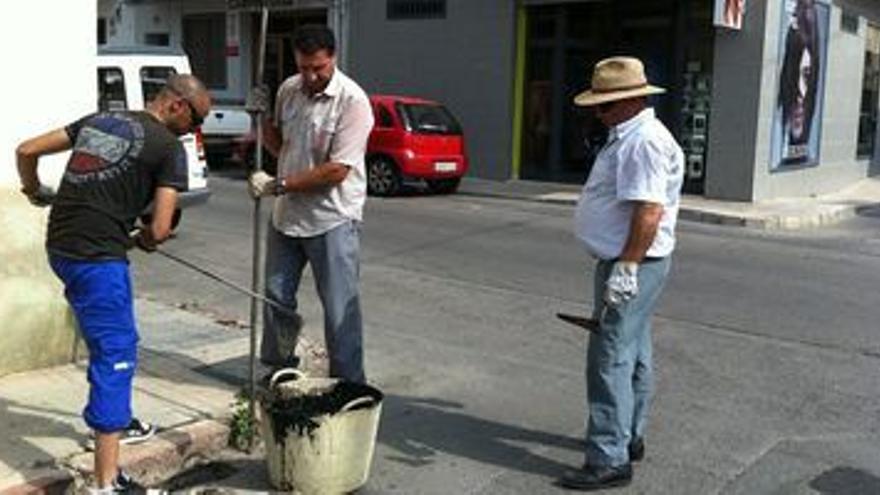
{"points": [[797, 118], [729, 13]]}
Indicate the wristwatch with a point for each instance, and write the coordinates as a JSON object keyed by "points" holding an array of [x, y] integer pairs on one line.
{"points": [[280, 187]]}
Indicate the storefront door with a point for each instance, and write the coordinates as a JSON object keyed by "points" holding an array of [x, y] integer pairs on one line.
{"points": [[563, 43], [280, 63]]}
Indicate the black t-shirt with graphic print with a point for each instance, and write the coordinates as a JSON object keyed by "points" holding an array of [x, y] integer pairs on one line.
{"points": [[118, 160]]}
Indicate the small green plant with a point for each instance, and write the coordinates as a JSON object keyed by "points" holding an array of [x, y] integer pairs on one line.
{"points": [[243, 426]]}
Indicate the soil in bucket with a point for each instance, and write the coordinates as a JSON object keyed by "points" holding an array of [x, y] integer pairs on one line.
{"points": [[297, 413]]}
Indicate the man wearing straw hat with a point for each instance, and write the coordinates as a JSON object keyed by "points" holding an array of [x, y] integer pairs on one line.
{"points": [[626, 219]]}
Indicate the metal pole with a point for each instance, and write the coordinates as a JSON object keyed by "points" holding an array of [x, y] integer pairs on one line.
{"points": [[256, 283]]}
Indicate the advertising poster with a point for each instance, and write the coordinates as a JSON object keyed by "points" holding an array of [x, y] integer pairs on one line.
{"points": [[797, 119], [729, 13]]}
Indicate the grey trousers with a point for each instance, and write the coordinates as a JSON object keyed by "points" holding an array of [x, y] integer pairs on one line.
{"points": [[620, 371], [335, 260]]}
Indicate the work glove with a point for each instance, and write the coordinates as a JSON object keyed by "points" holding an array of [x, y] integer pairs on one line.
{"points": [[261, 184], [42, 197], [623, 283], [258, 99]]}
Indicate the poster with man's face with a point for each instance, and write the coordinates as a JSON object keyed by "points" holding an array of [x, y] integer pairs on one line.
{"points": [[797, 120]]}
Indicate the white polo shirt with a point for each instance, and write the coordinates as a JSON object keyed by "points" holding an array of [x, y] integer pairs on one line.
{"points": [[331, 126], [640, 162]]}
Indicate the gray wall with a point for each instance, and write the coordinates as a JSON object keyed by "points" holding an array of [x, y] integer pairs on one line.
{"points": [[465, 61], [736, 102], [744, 96]]}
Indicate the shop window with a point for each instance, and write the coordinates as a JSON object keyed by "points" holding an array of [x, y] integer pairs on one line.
{"points": [[102, 31], [849, 22], [111, 90], [204, 39], [153, 80], [415, 9], [870, 95], [384, 117]]}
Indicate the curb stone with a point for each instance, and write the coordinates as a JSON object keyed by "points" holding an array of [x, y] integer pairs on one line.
{"points": [[169, 452]]}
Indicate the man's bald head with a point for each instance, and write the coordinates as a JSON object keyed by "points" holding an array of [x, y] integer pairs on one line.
{"points": [[190, 88], [182, 104]]}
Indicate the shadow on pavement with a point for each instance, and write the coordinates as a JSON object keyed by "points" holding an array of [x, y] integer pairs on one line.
{"points": [[19, 422], [421, 429], [846, 481]]}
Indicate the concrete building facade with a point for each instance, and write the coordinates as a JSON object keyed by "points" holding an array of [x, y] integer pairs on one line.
{"points": [[508, 69], [55, 84]]}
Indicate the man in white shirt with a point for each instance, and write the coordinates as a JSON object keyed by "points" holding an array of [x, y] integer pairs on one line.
{"points": [[626, 219], [319, 133]]}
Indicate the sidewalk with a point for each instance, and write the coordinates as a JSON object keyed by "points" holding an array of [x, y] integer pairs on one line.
{"points": [[794, 213], [189, 372]]}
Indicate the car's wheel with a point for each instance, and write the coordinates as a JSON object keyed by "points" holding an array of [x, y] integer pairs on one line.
{"points": [[444, 186], [383, 178]]}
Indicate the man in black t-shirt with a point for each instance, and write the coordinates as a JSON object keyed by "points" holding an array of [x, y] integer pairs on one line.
{"points": [[120, 162]]}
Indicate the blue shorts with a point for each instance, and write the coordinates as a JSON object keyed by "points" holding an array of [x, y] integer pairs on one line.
{"points": [[100, 294]]}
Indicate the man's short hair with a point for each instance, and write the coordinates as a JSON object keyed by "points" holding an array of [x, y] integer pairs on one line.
{"points": [[308, 39]]}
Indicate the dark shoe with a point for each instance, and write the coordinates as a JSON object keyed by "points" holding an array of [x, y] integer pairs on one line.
{"points": [[125, 484], [637, 449], [136, 432], [597, 477]]}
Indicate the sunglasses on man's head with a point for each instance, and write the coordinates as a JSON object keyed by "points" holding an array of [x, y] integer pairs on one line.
{"points": [[196, 119]]}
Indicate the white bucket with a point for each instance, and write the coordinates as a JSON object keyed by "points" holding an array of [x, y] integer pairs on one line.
{"points": [[334, 454]]}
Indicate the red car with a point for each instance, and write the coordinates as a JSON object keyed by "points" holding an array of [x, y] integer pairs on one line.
{"points": [[414, 138]]}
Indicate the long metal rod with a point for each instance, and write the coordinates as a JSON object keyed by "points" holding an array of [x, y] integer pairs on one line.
{"points": [[228, 283], [256, 281]]}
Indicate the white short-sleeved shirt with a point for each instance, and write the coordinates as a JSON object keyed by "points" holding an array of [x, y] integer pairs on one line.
{"points": [[331, 126], [640, 162]]}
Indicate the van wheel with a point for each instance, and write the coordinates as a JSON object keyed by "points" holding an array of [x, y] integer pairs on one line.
{"points": [[444, 186], [383, 178]]}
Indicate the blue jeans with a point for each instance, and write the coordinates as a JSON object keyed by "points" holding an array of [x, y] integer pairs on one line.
{"points": [[99, 292], [335, 260], [619, 368]]}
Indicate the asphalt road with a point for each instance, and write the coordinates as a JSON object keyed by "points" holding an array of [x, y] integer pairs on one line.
{"points": [[766, 345]]}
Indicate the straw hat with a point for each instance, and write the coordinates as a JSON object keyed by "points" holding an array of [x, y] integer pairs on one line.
{"points": [[617, 78]]}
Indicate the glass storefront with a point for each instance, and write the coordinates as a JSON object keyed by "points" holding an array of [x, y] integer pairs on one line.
{"points": [[563, 42]]}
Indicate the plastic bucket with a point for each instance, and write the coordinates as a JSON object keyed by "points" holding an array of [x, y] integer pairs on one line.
{"points": [[326, 453]]}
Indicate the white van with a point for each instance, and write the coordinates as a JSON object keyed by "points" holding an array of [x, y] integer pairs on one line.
{"points": [[127, 79]]}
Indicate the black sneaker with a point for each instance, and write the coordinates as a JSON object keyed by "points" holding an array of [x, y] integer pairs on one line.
{"points": [[127, 485], [137, 432]]}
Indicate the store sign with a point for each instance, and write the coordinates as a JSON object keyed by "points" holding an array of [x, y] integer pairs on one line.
{"points": [[729, 13], [803, 52]]}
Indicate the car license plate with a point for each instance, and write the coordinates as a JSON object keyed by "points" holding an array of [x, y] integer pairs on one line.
{"points": [[445, 166]]}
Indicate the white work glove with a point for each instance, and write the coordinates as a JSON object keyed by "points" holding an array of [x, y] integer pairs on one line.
{"points": [[258, 99], [622, 284], [261, 184], [42, 197]]}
